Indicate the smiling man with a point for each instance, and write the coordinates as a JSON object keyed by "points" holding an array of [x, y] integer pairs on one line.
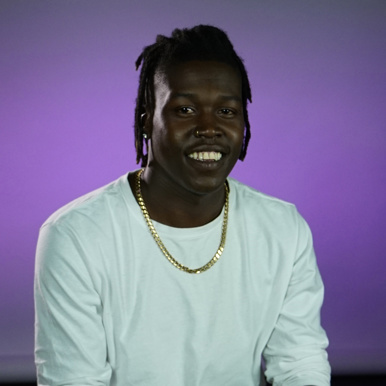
{"points": [[176, 274]]}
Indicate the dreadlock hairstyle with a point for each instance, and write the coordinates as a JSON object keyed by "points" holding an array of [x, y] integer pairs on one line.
{"points": [[202, 42]]}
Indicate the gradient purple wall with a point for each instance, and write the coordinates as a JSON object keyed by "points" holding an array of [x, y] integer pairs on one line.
{"points": [[318, 72]]}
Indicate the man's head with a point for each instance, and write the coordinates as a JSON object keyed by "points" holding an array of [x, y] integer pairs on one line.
{"points": [[200, 43]]}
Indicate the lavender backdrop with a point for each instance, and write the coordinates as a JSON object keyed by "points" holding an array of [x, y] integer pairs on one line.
{"points": [[318, 70]]}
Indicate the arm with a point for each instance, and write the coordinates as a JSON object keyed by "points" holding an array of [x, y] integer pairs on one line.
{"points": [[70, 343], [295, 353]]}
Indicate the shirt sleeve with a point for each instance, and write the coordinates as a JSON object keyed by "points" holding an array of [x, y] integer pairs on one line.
{"points": [[70, 342], [295, 354]]}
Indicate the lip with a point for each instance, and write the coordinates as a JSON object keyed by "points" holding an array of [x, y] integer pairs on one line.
{"points": [[206, 165], [207, 148]]}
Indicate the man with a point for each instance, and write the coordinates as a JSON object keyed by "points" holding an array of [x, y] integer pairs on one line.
{"points": [[173, 274]]}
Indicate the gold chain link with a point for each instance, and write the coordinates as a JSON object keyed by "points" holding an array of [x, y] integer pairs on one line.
{"points": [[159, 242]]}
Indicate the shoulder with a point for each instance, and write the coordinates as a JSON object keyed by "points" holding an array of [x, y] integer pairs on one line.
{"points": [[250, 199], [91, 207], [264, 213]]}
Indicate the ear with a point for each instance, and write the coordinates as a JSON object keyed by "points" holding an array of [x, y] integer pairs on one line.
{"points": [[146, 124]]}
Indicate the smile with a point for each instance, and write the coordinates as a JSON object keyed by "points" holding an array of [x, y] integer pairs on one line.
{"points": [[206, 156]]}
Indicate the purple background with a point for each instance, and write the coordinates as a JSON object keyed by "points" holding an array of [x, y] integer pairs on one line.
{"points": [[318, 71]]}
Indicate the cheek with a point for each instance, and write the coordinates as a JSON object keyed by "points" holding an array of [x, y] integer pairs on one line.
{"points": [[165, 143], [175, 132], [237, 135]]}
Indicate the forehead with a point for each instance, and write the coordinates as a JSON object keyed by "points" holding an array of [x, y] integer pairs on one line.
{"points": [[198, 75]]}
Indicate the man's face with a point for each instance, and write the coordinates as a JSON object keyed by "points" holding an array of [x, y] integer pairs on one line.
{"points": [[197, 126]]}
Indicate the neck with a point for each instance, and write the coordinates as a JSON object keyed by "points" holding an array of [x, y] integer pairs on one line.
{"points": [[177, 207]]}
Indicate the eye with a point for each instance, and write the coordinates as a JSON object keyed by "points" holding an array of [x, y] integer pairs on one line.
{"points": [[227, 112], [185, 110]]}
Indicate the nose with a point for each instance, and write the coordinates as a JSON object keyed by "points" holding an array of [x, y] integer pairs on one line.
{"points": [[207, 127]]}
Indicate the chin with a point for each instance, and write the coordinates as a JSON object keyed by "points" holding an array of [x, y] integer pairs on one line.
{"points": [[207, 185]]}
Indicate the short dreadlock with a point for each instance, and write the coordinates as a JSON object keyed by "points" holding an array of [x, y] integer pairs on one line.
{"points": [[202, 42]]}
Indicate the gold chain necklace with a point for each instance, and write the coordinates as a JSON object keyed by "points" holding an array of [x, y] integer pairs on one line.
{"points": [[160, 244]]}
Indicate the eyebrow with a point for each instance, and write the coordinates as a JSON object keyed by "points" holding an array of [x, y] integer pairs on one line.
{"points": [[190, 95]]}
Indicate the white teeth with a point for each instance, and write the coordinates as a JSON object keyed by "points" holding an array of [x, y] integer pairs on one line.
{"points": [[206, 156]]}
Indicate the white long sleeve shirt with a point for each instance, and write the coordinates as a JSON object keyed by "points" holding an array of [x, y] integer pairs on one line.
{"points": [[111, 310]]}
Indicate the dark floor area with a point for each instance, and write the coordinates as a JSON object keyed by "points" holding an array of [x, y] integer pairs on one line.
{"points": [[337, 380]]}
